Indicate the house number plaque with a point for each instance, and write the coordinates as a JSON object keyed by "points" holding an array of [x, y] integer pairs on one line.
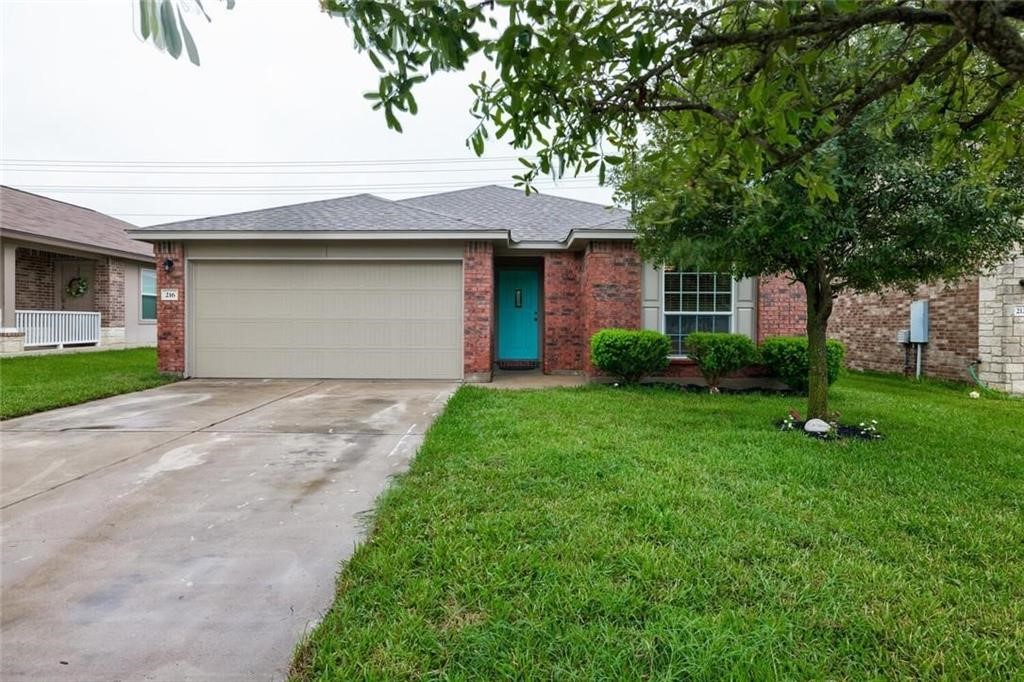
{"points": [[168, 294]]}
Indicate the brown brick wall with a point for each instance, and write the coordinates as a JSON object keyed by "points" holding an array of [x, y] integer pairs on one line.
{"points": [[108, 279], [610, 290], [478, 304], [170, 315], [563, 325], [781, 308], [33, 280], [868, 324]]}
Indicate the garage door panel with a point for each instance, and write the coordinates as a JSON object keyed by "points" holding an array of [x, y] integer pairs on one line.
{"points": [[297, 304], [309, 334], [326, 319], [285, 364]]}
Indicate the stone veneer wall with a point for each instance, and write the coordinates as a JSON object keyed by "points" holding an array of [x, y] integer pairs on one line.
{"points": [[1000, 332], [478, 310], [170, 315], [33, 280], [781, 308], [610, 290], [563, 323], [868, 325]]}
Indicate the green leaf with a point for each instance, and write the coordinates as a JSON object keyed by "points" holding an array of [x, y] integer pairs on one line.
{"points": [[169, 24], [190, 44], [144, 9]]}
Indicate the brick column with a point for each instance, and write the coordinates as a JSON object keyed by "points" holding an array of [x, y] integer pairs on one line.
{"points": [[781, 308], [563, 326], [170, 315], [108, 276], [610, 290], [478, 311]]}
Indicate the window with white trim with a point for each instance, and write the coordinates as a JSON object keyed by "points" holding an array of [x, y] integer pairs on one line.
{"points": [[695, 302], [147, 305]]}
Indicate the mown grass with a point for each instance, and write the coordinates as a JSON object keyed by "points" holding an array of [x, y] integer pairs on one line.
{"points": [[603, 533], [33, 384]]}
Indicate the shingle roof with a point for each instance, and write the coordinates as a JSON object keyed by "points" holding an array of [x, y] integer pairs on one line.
{"points": [[33, 215], [362, 212], [537, 217]]}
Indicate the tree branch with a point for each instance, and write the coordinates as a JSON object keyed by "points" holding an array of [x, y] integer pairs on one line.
{"points": [[993, 104], [802, 29], [850, 112]]}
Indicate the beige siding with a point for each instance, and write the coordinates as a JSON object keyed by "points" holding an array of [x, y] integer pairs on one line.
{"points": [[137, 332], [362, 320]]}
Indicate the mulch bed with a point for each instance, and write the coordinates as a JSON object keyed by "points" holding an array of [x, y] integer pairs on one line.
{"points": [[843, 431]]}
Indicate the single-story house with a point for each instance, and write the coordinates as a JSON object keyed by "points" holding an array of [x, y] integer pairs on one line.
{"points": [[975, 323], [71, 277], [445, 286]]}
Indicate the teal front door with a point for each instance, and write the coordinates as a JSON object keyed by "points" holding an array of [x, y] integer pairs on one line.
{"points": [[518, 301]]}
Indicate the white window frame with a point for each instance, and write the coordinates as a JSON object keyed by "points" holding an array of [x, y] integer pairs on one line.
{"points": [[143, 269], [662, 313]]}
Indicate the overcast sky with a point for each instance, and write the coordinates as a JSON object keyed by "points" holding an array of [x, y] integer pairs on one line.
{"points": [[86, 105]]}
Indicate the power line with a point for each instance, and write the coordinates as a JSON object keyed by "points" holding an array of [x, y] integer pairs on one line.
{"points": [[250, 163], [284, 190], [136, 171]]}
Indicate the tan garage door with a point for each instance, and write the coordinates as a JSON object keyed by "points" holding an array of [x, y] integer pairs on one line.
{"points": [[358, 320]]}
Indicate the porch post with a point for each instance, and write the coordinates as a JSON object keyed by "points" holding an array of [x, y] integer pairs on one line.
{"points": [[7, 286]]}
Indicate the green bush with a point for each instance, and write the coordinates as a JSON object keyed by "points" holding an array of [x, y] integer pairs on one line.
{"points": [[630, 354], [786, 357], [720, 354]]}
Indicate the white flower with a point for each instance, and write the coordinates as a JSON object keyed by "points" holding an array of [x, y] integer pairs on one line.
{"points": [[974, 394]]}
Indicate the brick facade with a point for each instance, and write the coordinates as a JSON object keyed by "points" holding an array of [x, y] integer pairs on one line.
{"points": [[478, 304], [610, 293], [108, 280], [781, 308], [563, 324], [34, 285], [170, 315], [1000, 329], [868, 325]]}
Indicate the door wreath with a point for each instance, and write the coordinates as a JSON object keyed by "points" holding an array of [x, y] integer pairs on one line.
{"points": [[77, 287]]}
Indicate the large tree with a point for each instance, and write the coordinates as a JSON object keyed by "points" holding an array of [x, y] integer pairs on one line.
{"points": [[896, 219], [573, 78]]}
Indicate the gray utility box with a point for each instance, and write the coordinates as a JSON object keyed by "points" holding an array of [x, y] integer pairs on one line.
{"points": [[919, 321]]}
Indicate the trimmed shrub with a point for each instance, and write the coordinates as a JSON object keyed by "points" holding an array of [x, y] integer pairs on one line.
{"points": [[786, 357], [630, 354], [719, 354]]}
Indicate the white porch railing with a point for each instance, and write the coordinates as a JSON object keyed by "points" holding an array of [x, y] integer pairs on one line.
{"points": [[57, 327]]}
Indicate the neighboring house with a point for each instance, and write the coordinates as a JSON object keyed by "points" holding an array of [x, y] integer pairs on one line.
{"points": [[979, 321], [71, 277], [446, 286]]}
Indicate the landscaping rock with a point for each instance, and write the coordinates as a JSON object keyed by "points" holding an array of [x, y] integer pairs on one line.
{"points": [[817, 426]]}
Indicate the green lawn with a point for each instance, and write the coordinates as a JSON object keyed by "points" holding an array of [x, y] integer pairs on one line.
{"points": [[33, 384], [603, 533]]}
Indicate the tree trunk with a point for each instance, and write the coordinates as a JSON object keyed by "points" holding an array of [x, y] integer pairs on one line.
{"points": [[819, 308]]}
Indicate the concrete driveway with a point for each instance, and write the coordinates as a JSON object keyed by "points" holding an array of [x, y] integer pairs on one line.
{"points": [[192, 531]]}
